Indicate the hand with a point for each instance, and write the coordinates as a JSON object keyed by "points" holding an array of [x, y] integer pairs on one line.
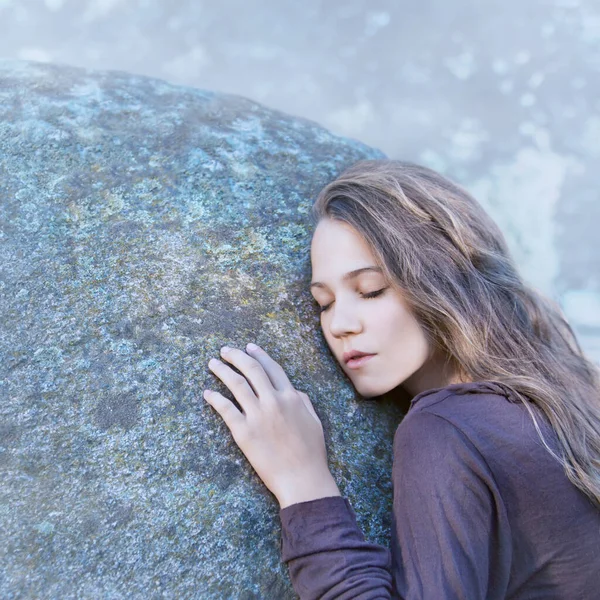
{"points": [[278, 430]]}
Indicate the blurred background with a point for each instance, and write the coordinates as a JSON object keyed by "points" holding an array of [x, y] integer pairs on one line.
{"points": [[502, 96]]}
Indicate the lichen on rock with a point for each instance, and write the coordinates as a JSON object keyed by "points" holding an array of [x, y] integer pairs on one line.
{"points": [[142, 226]]}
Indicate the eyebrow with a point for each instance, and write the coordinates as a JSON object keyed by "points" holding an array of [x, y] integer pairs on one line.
{"points": [[350, 275]]}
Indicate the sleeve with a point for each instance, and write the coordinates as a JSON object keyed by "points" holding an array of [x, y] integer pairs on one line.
{"points": [[327, 554], [451, 537]]}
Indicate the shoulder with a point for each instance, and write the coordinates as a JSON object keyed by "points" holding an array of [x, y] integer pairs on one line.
{"points": [[427, 443], [471, 394], [474, 404], [481, 423], [441, 448], [464, 405]]}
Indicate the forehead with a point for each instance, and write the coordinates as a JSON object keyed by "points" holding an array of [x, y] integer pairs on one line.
{"points": [[337, 248]]}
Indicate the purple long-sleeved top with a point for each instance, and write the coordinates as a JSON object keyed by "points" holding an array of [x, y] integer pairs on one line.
{"points": [[481, 510]]}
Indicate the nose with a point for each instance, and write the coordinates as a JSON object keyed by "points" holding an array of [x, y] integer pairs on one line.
{"points": [[344, 320]]}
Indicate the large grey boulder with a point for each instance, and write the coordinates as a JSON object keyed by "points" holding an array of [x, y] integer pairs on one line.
{"points": [[144, 225]]}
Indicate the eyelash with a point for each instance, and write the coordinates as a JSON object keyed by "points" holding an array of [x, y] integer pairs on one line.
{"points": [[367, 296]]}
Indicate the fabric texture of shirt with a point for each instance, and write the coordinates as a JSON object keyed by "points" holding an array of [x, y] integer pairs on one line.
{"points": [[481, 510]]}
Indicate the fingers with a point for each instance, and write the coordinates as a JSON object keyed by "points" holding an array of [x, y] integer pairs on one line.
{"points": [[237, 384], [279, 380], [229, 413], [252, 370], [261, 377]]}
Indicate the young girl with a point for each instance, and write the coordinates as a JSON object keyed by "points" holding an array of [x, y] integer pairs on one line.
{"points": [[496, 472]]}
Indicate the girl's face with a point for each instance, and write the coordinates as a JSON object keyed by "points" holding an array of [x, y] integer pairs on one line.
{"points": [[362, 312]]}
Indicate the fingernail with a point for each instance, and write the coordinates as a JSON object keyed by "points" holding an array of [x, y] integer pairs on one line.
{"points": [[252, 346], [225, 349]]}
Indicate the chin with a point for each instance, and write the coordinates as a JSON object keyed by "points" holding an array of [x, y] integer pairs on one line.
{"points": [[372, 391]]}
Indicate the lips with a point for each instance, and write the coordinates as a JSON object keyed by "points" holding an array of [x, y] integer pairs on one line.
{"points": [[359, 361], [354, 355]]}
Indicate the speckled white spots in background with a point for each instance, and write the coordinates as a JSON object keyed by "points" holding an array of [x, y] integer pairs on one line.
{"points": [[376, 21], [582, 309], [567, 3], [590, 32], [590, 140], [354, 120], [54, 5], [35, 54], [468, 139], [194, 60], [521, 196], [500, 66], [506, 86], [522, 57], [97, 9], [538, 135], [461, 66], [527, 99]]}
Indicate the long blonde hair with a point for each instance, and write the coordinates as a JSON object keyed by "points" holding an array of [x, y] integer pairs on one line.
{"points": [[452, 265]]}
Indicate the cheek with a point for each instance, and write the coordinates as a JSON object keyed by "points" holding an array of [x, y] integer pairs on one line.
{"points": [[401, 331], [393, 318]]}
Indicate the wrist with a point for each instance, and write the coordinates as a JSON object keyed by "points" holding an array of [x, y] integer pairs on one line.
{"points": [[304, 491]]}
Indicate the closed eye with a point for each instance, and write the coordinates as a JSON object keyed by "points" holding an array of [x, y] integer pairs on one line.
{"points": [[374, 294], [367, 295]]}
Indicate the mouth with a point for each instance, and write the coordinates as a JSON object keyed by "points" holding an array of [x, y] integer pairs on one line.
{"points": [[355, 360]]}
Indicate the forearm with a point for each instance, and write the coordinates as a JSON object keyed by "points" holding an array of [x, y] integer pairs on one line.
{"points": [[328, 556]]}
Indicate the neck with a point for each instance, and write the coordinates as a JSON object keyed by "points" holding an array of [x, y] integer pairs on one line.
{"points": [[437, 372]]}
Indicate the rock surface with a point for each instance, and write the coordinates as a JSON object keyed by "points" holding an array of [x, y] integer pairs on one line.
{"points": [[142, 226]]}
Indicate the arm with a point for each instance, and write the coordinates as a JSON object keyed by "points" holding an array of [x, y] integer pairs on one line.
{"points": [[451, 538], [282, 436], [327, 554]]}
